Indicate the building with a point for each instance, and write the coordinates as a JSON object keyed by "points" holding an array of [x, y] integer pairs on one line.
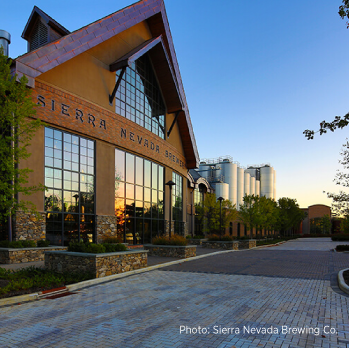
{"points": [[233, 182], [118, 143], [313, 213]]}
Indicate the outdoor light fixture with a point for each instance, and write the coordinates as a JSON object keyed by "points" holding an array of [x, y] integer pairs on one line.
{"points": [[220, 220], [170, 184]]}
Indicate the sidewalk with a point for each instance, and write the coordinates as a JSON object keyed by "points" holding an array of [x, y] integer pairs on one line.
{"points": [[228, 299]]}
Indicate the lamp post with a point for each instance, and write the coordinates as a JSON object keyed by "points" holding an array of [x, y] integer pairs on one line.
{"points": [[170, 184], [195, 184], [220, 220]]}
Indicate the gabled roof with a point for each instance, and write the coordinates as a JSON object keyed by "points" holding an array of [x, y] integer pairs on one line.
{"points": [[36, 13], [34, 63]]}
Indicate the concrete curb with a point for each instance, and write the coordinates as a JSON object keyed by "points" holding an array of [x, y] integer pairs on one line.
{"points": [[87, 283], [341, 283]]}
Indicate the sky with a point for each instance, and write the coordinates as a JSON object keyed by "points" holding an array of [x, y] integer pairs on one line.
{"points": [[256, 74]]}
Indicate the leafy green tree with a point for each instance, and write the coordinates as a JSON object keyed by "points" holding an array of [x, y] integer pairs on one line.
{"points": [[209, 213], [339, 121], [325, 224], [249, 212], [17, 127], [344, 10], [289, 215]]}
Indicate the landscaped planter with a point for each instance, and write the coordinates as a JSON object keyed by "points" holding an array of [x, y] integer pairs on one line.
{"points": [[220, 244], [197, 241], [99, 265], [179, 251], [247, 244], [230, 245], [19, 255]]}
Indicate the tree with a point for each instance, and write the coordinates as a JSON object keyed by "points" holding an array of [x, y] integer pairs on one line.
{"points": [[17, 127], [339, 121], [340, 201], [344, 10], [249, 212], [209, 213], [289, 216]]}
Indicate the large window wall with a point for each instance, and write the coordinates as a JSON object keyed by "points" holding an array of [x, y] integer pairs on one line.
{"points": [[70, 179], [139, 198], [139, 99], [177, 203]]}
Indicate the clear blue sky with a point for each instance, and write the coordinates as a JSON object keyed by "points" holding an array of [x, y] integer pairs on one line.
{"points": [[256, 74]]}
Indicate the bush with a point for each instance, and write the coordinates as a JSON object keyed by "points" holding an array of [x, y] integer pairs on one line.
{"points": [[78, 247], [34, 278], [225, 238], [95, 248], [110, 248], [18, 244], [198, 237], [344, 247], [42, 243], [4, 244], [28, 244], [174, 240], [340, 237]]}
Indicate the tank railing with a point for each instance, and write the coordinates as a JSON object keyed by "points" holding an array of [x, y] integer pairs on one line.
{"points": [[258, 166]]}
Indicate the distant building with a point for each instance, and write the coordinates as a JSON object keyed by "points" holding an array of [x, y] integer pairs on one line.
{"points": [[313, 212], [233, 182]]}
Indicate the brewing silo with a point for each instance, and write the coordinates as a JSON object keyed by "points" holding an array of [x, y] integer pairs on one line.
{"points": [[204, 170], [221, 189], [267, 181], [258, 188], [252, 185], [247, 178], [230, 177], [240, 187]]}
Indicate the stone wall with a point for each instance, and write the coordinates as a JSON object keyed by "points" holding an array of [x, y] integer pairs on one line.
{"points": [[100, 265], [228, 245], [197, 241], [105, 227], [247, 244], [19, 255], [177, 251], [27, 226]]}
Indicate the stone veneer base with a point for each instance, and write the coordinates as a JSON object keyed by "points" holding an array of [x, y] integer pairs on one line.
{"points": [[197, 241], [99, 265], [220, 244], [179, 251], [19, 255], [230, 245]]}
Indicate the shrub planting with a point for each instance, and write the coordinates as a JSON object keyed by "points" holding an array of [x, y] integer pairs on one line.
{"points": [[344, 247], [340, 237], [215, 238], [18, 244], [32, 279], [42, 243], [94, 248], [174, 240]]}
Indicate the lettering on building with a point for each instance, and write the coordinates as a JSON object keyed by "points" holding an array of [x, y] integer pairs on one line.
{"points": [[75, 114]]}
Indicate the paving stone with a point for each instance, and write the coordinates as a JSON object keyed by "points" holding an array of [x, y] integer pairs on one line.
{"points": [[234, 290]]}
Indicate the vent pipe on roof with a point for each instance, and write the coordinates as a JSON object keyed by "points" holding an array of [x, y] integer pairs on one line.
{"points": [[5, 40]]}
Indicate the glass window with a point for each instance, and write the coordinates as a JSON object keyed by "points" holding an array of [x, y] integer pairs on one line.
{"points": [[142, 212], [139, 98], [69, 201], [177, 203]]}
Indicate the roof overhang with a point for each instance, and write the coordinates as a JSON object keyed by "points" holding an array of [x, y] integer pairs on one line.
{"points": [[162, 54]]}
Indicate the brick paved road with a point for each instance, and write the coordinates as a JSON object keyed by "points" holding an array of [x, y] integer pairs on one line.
{"points": [[270, 289]]}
